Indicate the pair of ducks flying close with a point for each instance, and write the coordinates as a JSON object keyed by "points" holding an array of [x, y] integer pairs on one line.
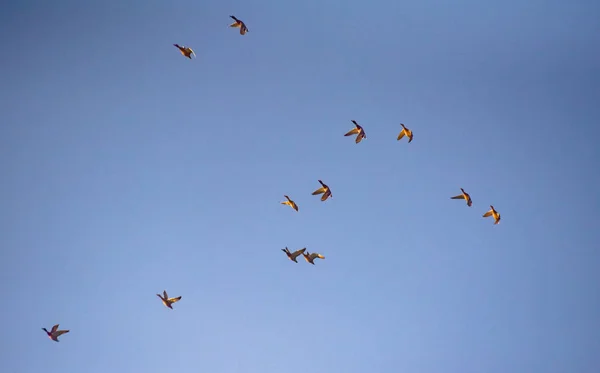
{"points": [[360, 132], [492, 212], [324, 190], [310, 257], [188, 52]]}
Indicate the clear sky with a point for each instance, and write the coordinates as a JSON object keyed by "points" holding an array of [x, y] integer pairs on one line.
{"points": [[128, 169]]}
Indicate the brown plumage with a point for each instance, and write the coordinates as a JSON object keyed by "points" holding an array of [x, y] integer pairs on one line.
{"points": [[359, 131], [464, 196], [323, 190], [239, 24]]}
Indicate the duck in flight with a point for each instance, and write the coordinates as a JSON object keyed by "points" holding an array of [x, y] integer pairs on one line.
{"points": [[494, 213], [464, 196], [290, 203], [357, 131], [168, 301], [323, 190], [310, 257], [405, 131], [186, 51], [240, 24], [293, 255], [55, 333]]}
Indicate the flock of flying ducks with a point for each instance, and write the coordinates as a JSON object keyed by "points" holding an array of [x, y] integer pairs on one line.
{"points": [[360, 133]]}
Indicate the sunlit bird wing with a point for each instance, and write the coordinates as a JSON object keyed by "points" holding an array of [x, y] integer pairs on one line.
{"points": [[353, 131], [319, 191]]}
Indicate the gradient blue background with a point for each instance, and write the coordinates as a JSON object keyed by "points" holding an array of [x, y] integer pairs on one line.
{"points": [[128, 169]]}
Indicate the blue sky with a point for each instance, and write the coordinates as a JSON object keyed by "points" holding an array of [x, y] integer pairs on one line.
{"points": [[128, 169]]}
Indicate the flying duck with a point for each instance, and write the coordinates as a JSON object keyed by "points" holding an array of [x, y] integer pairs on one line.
{"points": [[293, 255], [55, 333], [405, 131], [493, 213], [464, 196], [358, 130], [186, 51], [168, 301], [311, 257], [323, 190], [240, 24], [290, 203]]}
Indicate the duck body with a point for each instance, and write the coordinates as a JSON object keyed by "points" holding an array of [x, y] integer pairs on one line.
{"points": [[239, 24], [186, 51], [310, 257], [168, 301], [405, 132], [290, 203], [55, 333], [493, 213], [325, 190], [464, 196], [359, 131]]}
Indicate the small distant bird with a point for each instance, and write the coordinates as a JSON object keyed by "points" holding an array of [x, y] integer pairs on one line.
{"points": [[290, 203], [240, 24], [323, 190], [166, 300], [493, 213], [186, 51], [407, 132], [55, 333], [358, 130], [464, 196], [293, 255], [311, 257]]}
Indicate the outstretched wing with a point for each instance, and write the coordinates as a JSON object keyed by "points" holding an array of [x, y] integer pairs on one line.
{"points": [[353, 131], [400, 135], [326, 195], [489, 213], [361, 136], [173, 300], [319, 191], [165, 294], [54, 329], [60, 332], [237, 20], [458, 197], [298, 252], [315, 255]]}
